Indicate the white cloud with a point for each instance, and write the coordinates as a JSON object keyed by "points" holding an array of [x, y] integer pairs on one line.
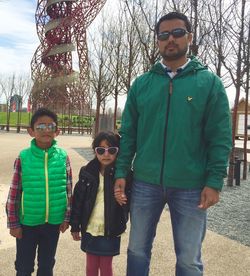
{"points": [[15, 60], [18, 38]]}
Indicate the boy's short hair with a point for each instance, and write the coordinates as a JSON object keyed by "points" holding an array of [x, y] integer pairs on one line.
{"points": [[112, 139], [42, 112], [174, 15]]}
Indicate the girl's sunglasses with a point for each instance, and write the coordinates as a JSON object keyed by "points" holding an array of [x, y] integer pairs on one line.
{"points": [[110, 150], [176, 33]]}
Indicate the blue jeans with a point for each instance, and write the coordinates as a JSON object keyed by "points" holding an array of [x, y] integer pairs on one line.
{"points": [[188, 225], [42, 237]]}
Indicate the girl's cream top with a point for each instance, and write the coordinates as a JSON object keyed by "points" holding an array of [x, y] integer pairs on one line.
{"points": [[96, 221]]}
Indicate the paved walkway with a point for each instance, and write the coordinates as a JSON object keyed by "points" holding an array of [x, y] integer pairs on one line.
{"points": [[221, 256]]}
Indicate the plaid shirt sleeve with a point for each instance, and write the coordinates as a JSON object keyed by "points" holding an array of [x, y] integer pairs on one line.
{"points": [[69, 190], [14, 197]]}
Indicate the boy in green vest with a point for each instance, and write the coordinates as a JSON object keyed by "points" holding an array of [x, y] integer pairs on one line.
{"points": [[39, 200]]}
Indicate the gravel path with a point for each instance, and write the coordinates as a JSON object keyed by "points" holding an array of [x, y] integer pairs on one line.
{"points": [[231, 216]]}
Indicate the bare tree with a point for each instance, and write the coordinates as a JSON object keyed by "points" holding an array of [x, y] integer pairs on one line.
{"points": [[124, 49], [237, 33], [116, 47], [144, 15], [22, 89], [1, 92], [246, 85], [101, 80], [89, 98], [215, 39], [130, 59], [7, 84]]}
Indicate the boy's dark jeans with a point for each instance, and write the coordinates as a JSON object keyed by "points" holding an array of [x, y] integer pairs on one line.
{"points": [[42, 238]]}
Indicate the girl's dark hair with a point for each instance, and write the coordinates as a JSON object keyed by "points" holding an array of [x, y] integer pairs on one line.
{"points": [[112, 139], [43, 112], [174, 15]]}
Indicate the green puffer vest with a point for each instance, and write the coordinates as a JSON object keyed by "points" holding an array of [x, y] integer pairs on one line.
{"points": [[44, 196]]}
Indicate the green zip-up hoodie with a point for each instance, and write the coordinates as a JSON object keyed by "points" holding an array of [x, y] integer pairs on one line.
{"points": [[177, 130], [44, 196]]}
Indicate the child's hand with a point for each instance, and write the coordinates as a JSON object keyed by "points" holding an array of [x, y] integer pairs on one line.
{"points": [[119, 191], [64, 226], [76, 236], [16, 232]]}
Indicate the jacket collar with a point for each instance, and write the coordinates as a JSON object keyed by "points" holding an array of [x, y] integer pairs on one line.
{"points": [[193, 65], [93, 168], [40, 152]]}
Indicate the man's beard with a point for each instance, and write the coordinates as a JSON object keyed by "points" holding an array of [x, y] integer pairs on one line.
{"points": [[175, 55]]}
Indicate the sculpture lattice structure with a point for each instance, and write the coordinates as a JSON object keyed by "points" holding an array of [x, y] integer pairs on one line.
{"points": [[61, 28]]}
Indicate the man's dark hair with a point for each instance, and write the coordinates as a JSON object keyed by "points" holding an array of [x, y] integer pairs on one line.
{"points": [[42, 112], [111, 138], [174, 15]]}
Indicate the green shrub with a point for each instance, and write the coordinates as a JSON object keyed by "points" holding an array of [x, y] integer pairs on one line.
{"points": [[62, 119]]}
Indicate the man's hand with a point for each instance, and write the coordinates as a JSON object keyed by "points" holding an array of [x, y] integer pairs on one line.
{"points": [[209, 197], [64, 226], [76, 236], [16, 232], [119, 191]]}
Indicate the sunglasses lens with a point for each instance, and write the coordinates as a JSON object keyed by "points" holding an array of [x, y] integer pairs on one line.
{"points": [[112, 150], [178, 32], [51, 127], [163, 36], [100, 151], [41, 127]]}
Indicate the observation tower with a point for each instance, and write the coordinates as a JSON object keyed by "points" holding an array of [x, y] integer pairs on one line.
{"points": [[61, 28]]}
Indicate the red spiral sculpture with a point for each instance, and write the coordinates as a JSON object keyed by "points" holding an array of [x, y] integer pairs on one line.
{"points": [[61, 28]]}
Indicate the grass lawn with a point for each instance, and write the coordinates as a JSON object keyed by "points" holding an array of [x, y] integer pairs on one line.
{"points": [[25, 118], [75, 120]]}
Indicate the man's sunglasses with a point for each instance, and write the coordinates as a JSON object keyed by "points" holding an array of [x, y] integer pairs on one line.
{"points": [[110, 150], [176, 33], [44, 127]]}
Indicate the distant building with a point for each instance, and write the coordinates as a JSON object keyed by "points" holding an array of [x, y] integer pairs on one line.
{"points": [[240, 119], [3, 107], [15, 103]]}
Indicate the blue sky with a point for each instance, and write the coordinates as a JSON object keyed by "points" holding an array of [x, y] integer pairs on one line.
{"points": [[18, 38]]}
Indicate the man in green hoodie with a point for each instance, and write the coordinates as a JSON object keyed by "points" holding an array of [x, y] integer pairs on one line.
{"points": [[176, 130]]}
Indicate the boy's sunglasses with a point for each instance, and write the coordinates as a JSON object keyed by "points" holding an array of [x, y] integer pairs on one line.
{"points": [[44, 127], [110, 150], [176, 33]]}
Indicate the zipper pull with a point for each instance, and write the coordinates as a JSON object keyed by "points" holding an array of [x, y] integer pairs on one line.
{"points": [[171, 87]]}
